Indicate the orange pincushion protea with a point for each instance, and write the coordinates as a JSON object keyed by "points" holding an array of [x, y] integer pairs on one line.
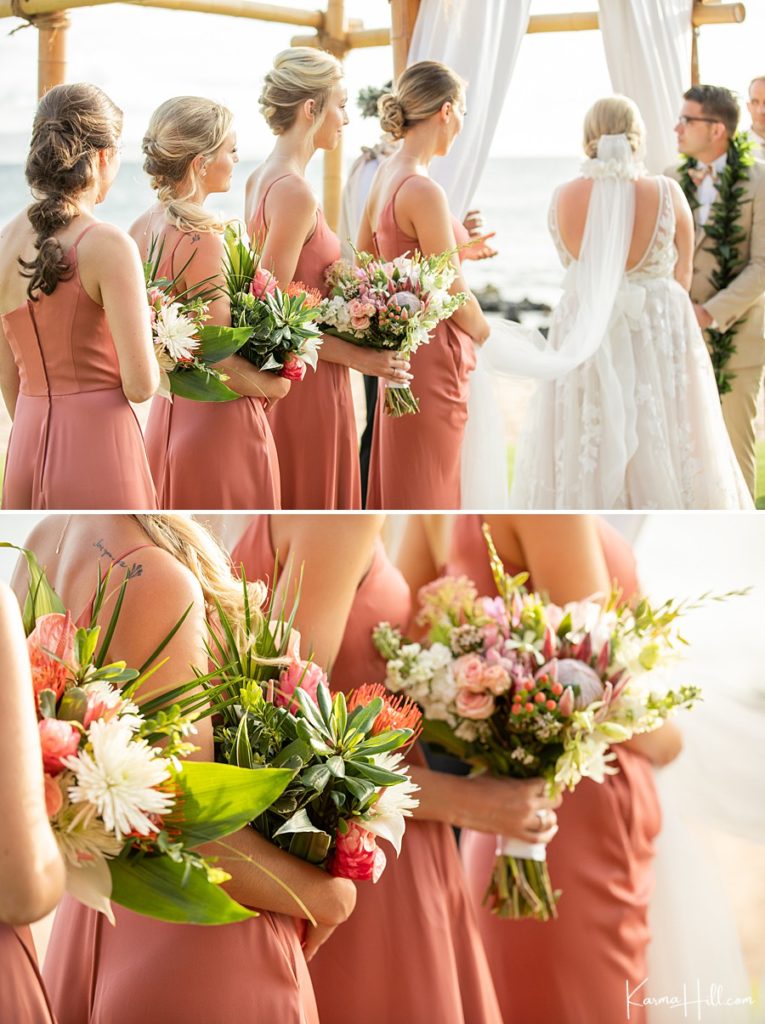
{"points": [[312, 295], [398, 712]]}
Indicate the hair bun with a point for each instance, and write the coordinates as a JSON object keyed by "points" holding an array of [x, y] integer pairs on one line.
{"points": [[392, 115]]}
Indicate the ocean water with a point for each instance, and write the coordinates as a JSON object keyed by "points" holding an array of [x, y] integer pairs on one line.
{"points": [[514, 194]]}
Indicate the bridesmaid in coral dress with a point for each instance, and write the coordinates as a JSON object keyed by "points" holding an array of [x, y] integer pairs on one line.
{"points": [[303, 101], [203, 454], [364, 972], [146, 970], [31, 868], [573, 970], [75, 343], [416, 459]]}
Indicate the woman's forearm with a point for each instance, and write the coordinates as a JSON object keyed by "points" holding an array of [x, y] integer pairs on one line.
{"points": [[264, 877]]}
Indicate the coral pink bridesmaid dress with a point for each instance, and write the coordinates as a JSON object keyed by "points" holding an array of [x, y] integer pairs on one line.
{"points": [[411, 950], [22, 994], [144, 970], [315, 425], [415, 460], [75, 441], [574, 970], [211, 455]]}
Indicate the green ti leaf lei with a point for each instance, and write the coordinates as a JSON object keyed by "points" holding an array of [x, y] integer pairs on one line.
{"points": [[724, 236]]}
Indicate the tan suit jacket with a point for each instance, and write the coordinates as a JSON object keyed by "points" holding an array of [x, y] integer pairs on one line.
{"points": [[746, 293]]}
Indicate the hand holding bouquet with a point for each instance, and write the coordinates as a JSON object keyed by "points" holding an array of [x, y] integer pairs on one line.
{"points": [[391, 305], [187, 348], [522, 688], [128, 816], [349, 786], [282, 336]]}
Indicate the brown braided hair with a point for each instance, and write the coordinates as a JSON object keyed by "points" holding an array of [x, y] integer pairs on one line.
{"points": [[72, 123]]}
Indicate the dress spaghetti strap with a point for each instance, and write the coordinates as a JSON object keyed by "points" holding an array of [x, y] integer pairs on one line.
{"points": [[261, 205], [82, 234]]}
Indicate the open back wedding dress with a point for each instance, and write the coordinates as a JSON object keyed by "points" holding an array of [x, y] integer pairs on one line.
{"points": [[627, 413]]}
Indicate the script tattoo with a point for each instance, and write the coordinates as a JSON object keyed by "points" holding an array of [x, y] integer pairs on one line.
{"points": [[136, 569]]}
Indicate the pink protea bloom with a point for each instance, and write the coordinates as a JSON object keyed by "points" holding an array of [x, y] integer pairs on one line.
{"points": [[52, 633], [357, 855], [293, 368], [263, 283], [303, 674], [58, 740]]}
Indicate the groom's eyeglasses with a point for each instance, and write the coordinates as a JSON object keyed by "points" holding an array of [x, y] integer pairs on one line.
{"points": [[683, 120]]}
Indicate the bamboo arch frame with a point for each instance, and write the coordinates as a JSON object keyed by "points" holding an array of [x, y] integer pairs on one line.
{"points": [[333, 31]]}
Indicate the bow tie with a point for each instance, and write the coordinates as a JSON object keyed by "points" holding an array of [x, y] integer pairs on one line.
{"points": [[697, 174]]}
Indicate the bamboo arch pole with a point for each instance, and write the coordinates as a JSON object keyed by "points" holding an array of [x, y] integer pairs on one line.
{"points": [[334, 40], [52, 30]]}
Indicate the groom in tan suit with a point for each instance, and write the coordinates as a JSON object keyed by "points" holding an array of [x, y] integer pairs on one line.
{"points": [[708, 120]]}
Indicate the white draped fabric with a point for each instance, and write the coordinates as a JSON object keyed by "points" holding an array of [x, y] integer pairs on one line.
{"points": [[480, 42], [716, 788], [648, 50]]}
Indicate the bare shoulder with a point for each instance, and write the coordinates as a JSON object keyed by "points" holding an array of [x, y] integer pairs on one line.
{"points": [[293, 192], [15, 228], [422, 196], [573, 192], [167, 578], [106, 241]]}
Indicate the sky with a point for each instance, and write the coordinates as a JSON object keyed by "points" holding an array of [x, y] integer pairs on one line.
{"points": [[141, 56]]}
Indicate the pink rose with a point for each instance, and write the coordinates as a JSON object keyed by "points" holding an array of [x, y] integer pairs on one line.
{"points": [[55, 633], [263, 283], [53, 796], [303, 674], [361, 313], [468, 672], [496, 679], [58, 740], [293, 368], [473, 704], [357, 855]]}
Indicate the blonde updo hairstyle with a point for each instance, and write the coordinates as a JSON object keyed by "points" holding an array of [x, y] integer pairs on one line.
{"points": [[195, 547], [299, 74], [613, 115], [420, 93], [72, 124], [181, 129]]}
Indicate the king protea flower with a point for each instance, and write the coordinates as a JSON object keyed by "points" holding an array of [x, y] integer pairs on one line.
{"points": [[176, 332], [117, 777]]}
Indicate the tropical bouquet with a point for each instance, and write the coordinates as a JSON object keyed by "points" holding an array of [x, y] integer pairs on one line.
{"points": [[392, 305], [129, 815], [187, 348], [522, 688], [282, 336], [349, 785]]}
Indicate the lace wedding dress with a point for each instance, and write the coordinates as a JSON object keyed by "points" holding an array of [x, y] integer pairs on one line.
{"points": [[627, 413]]}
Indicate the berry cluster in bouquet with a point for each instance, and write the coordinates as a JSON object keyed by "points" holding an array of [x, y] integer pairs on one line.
{"points": [[519, 687], [281, 323], [350, 786], [126, 813], [186, 346], [393, 305]]}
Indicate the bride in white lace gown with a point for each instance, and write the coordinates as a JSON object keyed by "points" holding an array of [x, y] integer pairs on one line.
{"points": [[627, 414]]}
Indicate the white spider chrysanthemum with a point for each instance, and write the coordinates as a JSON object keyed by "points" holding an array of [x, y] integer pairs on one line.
{"points": [[176, 332], [117, 775], [393, 804]]}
